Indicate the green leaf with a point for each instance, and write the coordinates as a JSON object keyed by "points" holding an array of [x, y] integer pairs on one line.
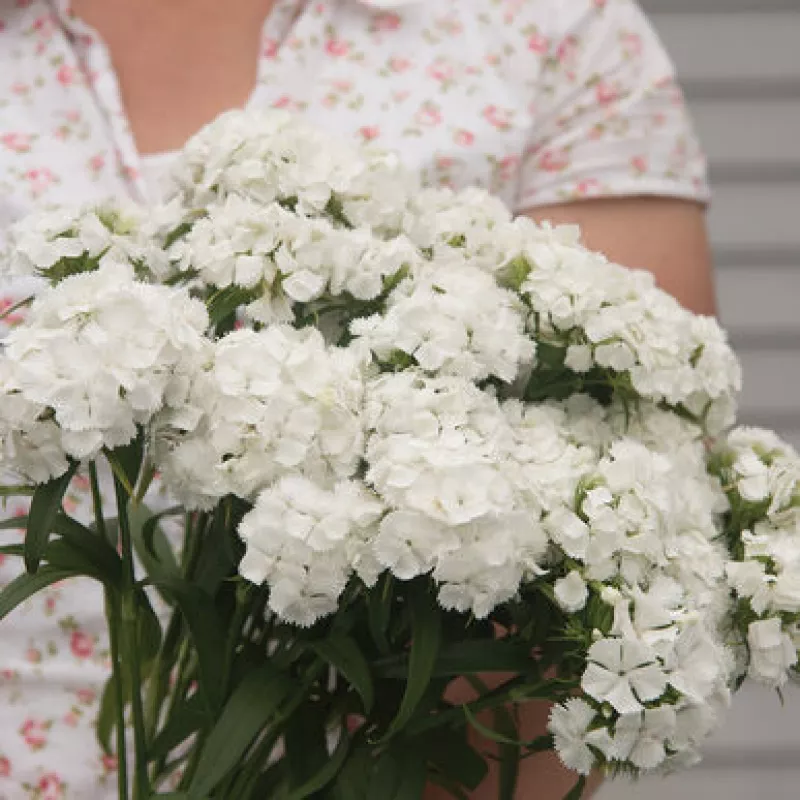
{"points": [[107, 716], [14, 523], [470, 657], [454, 757], [126, 461], [486, 731], [250, 708], [577, 790], [345, 655], [45, 505], [13, 550], [305, 740], [154, 540], [426, 634], [103, 558], [385, 778], [353, 778], [224, 302], [27, 584], [148, 632], [379, 610], [326, 774], [151, 545], [506, 725], [271, 783], [188, 717], [219, 557], [207, 634], [413, 776], [17, 491]]}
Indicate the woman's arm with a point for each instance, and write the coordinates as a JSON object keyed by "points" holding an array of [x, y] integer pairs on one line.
{"points": [[666, 236]]}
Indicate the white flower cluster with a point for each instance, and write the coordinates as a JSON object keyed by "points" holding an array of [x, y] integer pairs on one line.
{"points": [[762, 476], [273, 156], [643, 537], [282, 258], [264, 405], [425, 386], [100, 354], [305, 541], [457, 322], [608, 317], [64, 242], [436, 457]]}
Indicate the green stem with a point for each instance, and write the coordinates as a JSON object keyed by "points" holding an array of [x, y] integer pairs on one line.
{"points": [[243, 608], [129, 637], [97, 501], [16, 307], [148, 474], [242, 783], [174, 648], [508, 692], [113, 617]]}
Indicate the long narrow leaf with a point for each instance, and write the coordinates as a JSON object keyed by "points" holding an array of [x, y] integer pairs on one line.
{"points": [[345, 655], [25, 585], [468, 658], [353, 778], [508, 775], [455, 758], [188, 717], [14, 523], [45, 506], [251, 707], [103, 557], [207, 634], [107, 716], [325, 775], [577, 790], [426, 631], [413, 776], [379, 610]]}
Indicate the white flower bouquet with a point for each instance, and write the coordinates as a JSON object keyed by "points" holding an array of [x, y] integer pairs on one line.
{"points": [[411, 440]]}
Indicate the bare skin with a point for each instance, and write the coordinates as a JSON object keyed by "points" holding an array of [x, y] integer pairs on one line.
{"points": [[192, 59], [666, 236], [189, 61]]}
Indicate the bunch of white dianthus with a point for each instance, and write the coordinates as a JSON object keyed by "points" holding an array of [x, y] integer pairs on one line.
{"points": [[406, 386]]}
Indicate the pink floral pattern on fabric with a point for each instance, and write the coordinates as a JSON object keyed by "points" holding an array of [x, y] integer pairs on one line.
{"points": [[539, 101]]}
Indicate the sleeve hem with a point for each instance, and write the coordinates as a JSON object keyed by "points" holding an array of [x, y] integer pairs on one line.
{"points": [[629, 188]]}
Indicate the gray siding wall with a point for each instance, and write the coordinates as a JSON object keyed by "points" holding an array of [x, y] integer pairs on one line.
{"points": [[739, 62]]}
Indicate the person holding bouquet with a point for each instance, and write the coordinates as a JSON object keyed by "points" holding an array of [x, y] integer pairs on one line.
{"points": [[566, 111]]}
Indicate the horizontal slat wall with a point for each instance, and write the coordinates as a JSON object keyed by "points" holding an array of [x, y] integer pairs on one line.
{"points": [[763, 133], [753, 46], [752, 215], [758, 302], [739, 62]]}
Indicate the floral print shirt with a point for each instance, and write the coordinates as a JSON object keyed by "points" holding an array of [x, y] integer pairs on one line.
{"points": [[540, 101]]}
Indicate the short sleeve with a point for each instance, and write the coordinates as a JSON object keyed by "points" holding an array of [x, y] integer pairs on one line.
{"points": [[609, 118]]}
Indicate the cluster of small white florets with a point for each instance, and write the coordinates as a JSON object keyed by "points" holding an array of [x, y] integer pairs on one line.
{"points": [[281, 258], [762, 477], [275, 157], [264, 405], [99, 355], [495, 406], [66, 241]]}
